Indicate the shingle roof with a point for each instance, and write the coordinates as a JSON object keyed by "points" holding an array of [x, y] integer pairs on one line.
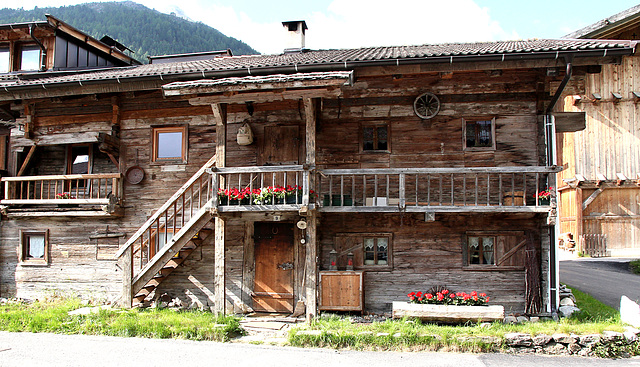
{"points": [[327, 60], [601, 26]]}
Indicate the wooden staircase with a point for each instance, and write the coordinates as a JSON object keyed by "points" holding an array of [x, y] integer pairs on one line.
{"points": [[185, 215], [164, 272]]}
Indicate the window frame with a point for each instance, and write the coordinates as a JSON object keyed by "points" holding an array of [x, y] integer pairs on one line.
{"points": [[466, 265], [375, 125], [156, 131], [357, 249], [24, 247], [493, 134], [19, 49]]}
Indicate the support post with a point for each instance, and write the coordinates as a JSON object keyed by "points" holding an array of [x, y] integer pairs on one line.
{"points": [[311, 258], [127, 277], [311, 266], [579, 213], [219, 278]]}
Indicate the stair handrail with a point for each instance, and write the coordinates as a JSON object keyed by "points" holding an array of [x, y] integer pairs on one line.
{"points": [[165, 206]]}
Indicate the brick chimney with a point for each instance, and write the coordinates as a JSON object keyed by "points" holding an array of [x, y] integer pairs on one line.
{"points": [[295, 36]]}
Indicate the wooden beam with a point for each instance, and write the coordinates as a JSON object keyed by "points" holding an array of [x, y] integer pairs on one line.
{"points": [[219, 276], [219, 279], [590, 199], [311, 267], [250, 85], [126, 300], [29, 112], [567, 122], [621, 178], [115, 105], [511, 252], [579, 213], [220, 116], [25, 164], [266, 96], [600, 179], [66, 138]]}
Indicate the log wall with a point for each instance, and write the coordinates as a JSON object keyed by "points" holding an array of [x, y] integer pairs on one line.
{"points": [[425, 253]]}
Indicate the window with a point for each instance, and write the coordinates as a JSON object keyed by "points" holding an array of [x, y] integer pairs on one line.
{"points": [[78, 163], [29, 58], [376, 251], [375, 137], [479, 134], [481, 250], [497, 250], [4, 59], [370, 250], [169, 144], [34, 248]]}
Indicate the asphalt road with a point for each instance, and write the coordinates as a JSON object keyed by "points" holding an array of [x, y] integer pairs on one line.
{"points": [[606, 279], [27, 349]]}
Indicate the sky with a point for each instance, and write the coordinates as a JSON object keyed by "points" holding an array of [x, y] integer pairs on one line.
{"points": [[364, 23]]}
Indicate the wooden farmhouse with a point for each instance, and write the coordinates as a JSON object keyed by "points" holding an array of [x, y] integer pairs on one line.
{"points": [[600, 184], [333, 180]]}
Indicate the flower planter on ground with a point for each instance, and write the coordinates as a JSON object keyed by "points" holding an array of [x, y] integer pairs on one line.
{"points": [[447, 313]]}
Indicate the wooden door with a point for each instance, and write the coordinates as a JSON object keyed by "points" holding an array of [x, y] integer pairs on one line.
{"points": [[273, 281], [280, 145]]}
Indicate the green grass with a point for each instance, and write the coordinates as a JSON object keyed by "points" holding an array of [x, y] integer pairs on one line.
{"points": [[635, 266], [406, 334], [594, 311], [52, 317]]}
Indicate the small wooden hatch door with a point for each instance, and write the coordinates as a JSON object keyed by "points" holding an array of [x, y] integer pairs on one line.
{"points": [[273, 281]]}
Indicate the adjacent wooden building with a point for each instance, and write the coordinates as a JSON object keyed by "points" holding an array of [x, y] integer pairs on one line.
{"points": [[333, 180], [600, 184]]}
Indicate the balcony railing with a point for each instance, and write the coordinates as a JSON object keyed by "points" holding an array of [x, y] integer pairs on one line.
{"points": [[266, 188], [481, 189], [475, 189], [90, 189]]}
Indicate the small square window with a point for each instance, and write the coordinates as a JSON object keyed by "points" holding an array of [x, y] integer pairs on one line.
{"points": [[481, 250], [169, 144], [34, 247], [479, 134], [376, 251], [375, 138]]}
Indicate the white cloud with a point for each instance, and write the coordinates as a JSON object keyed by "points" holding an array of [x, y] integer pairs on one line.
{"points": [[345, 23]]}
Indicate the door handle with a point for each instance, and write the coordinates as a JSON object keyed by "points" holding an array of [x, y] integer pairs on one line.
{"points": [[285, 266]]}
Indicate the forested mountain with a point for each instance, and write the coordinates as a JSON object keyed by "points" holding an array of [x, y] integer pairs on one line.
{"points": [[143, 30]]}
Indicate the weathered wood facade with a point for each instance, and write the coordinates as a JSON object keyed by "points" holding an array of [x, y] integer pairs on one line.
{"points": [[599, 188], [364, 182]]}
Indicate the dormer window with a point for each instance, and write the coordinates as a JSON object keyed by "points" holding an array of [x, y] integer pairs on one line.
{"points": [[4, 59], [29, 58]]}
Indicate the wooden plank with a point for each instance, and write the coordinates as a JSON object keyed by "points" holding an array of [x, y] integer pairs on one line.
{"points": [[92, 176], [25, 164], [570, 121], [446, 313], [64, 138], [391, 171], [264, 97], [590, 199]]}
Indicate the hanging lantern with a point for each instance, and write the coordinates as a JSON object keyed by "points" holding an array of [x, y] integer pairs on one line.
{"points": [[245, 135]]}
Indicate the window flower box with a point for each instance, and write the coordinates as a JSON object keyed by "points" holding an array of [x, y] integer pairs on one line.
{"points": [[447, 313]]}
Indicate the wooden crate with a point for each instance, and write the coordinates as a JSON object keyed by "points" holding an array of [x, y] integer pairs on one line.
{"points": [[341, 291]]}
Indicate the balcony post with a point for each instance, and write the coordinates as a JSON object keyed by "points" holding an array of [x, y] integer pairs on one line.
{"points": [[220, 115], [311, 262]]}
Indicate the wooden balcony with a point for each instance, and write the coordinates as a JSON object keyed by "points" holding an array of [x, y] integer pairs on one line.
{"points": [[67, 192], [265, 188], [474, 189], [477, 189]]}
